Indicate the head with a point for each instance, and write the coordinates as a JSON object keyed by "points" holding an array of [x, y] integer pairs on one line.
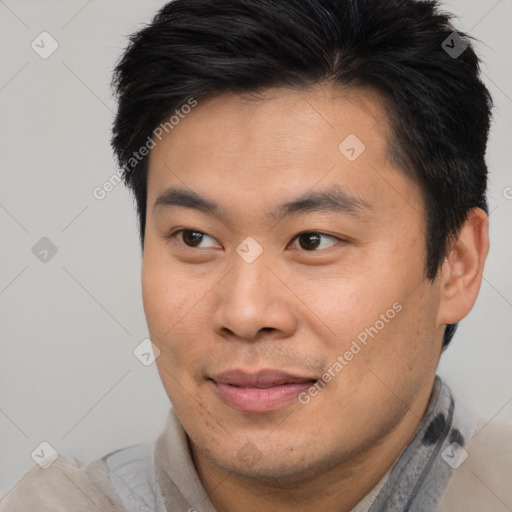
{"points": [[311, 189]]}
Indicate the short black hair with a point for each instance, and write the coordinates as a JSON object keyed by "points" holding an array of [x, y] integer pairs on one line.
{"points": [[439, 108]]}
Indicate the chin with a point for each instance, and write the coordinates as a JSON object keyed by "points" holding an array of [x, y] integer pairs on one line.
{"points": [[290, 464]]}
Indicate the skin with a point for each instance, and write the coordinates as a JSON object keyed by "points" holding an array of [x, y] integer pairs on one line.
{"points": [[296, 309]]}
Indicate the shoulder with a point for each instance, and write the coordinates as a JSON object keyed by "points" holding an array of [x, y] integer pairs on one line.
{"points": [[65, 486], [482, 481]]}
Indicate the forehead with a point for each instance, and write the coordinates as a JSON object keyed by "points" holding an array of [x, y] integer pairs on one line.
{"points": [[280, 120], [279, 143]]}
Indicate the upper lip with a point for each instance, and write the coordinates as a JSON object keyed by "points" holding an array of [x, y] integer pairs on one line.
{"points": [[261, 378]]}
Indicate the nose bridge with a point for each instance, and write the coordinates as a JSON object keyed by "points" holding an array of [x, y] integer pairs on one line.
{"points": [[250, 300], [250, 270], [248, 284]]}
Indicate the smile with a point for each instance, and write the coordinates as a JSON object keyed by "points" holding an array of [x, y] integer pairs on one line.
{"points": [[259, 392]]}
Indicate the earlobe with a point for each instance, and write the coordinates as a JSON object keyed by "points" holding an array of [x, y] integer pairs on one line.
{"points": [[461, 273]]}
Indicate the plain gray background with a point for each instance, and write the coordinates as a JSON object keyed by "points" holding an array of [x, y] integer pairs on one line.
{"points": [[68, 375]]}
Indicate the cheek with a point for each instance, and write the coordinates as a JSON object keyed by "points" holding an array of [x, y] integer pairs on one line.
{"points": [[167, 295], [389, 313], [406, 350], [177, 314], [157, 298], [347, 303]]}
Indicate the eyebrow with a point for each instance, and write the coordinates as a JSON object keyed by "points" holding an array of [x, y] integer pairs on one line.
{"points": [[333, 200]]}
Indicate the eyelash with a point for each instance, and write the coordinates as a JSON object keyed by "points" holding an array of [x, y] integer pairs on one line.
{"points": [[296, 237]]}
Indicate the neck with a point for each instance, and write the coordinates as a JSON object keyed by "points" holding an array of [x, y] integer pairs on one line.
{"points": [[335, 487]]}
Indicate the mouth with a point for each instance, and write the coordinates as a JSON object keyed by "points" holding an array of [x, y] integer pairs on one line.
{"points": [[263, 391]]}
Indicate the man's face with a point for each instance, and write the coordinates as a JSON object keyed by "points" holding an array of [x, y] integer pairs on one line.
{"points": [[330, 289]]}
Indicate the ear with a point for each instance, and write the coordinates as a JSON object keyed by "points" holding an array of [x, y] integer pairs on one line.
{"points": [[461, 272]]}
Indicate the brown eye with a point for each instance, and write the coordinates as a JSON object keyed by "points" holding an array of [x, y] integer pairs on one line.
{"points": [[195, 239], [191, 238], [311, 241]]}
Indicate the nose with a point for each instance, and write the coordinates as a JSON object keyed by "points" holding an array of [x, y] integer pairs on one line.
{"points": [[252, 301]]}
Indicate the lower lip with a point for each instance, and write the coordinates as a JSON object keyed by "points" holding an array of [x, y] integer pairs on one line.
{"points": [[260, 399]]}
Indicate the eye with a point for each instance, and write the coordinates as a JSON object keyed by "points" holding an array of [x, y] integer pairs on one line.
{"points": [[194, 238], [312, 241]]}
